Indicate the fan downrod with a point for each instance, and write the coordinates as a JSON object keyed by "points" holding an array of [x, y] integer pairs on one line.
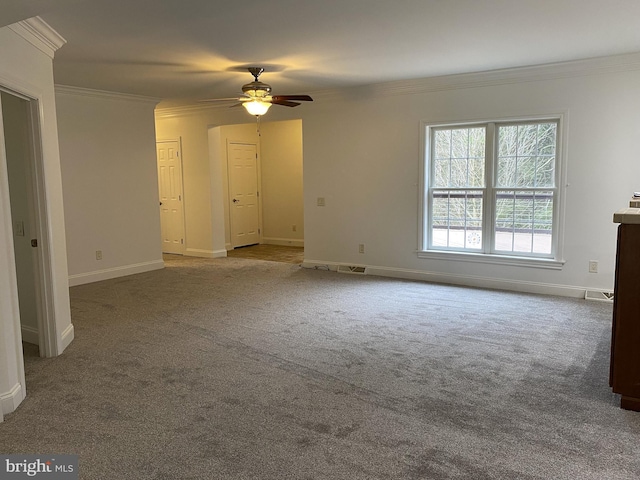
{"points": [[256, 72]]}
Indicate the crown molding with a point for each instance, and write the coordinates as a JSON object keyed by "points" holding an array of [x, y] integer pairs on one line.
{"points": [[88, 92], [535, 73], [39, 34]]}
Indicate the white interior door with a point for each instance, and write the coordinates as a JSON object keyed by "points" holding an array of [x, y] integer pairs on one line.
{"points": [[171, 196], [242, 161]]}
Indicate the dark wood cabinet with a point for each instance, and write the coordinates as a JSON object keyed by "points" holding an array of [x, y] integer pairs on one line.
{"points": [[624, 375]]}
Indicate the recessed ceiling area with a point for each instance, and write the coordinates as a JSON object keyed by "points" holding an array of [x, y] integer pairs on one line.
{"points": [[184, 51]]}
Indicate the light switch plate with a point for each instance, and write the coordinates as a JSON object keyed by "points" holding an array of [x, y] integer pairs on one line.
{"points": [[19, 227]]}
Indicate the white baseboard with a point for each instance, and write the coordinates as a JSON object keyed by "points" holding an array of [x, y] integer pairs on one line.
{"points": [[196, 252], [463, 280], [10, 400], [30, 335], [288, 242], [109, 273], [67, 337]]}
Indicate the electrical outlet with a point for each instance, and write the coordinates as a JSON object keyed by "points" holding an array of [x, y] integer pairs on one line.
{"points": [[361, 248], [98, 254], [294, 228], [593, 266]]}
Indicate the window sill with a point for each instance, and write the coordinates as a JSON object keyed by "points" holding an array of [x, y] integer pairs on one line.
{"points": [[492, 259]]}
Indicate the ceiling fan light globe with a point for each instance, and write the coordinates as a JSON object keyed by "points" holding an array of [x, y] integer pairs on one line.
{"points": [[256, 107]]}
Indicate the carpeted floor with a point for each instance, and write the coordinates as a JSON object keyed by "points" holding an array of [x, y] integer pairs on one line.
{"points": [[272, 253], [244, 369]]}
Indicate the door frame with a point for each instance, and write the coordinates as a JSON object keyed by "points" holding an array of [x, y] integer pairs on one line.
{"points": [[183, 225], [38, 211], [258, 182]]}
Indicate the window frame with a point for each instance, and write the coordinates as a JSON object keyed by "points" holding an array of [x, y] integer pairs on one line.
{"points": [[487, 252]]}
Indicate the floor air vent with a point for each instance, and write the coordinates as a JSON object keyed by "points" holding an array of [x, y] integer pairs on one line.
{"points": [[599, 295], [352, 269]]}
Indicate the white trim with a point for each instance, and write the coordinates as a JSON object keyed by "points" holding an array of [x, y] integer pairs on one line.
{"points": [[562, 178], [103, 94], [67, 336], [10, 400], [534, 262], [30, 334], [109, 273], [534, 73], [47, 324], [44, 279], [463, 280], [11, 350], [426, 250], [287, 242], [44, 271], [39, 34], [196, 252], [506, 76]]}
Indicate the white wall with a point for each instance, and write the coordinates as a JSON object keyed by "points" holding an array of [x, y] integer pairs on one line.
{"points": [[218, 192], [282, 192], [368, 171], [26, 68], [362, 150], [109, 175]]}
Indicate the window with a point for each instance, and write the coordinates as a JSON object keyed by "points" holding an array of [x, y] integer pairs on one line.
{"points": [[492, 188]]}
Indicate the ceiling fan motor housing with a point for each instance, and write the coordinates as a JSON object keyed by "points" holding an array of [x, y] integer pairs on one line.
{"points": [[257, 89]]}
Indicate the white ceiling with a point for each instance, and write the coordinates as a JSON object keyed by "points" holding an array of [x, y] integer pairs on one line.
{"points": [[190, 49]]}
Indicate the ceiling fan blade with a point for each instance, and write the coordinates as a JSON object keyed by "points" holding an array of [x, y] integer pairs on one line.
{"points": [[300, 98], [219, 99], [285, 103]]}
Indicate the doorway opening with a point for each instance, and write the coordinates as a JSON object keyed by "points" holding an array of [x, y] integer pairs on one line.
{"points": [[207, 186], [22, 149], [261, 185]]}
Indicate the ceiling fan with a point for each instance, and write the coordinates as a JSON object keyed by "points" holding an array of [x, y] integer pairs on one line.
{"points": [[257, 99]]}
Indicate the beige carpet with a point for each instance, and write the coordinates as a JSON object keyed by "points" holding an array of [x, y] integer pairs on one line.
{"points": [[244, 369], [271, 253]]}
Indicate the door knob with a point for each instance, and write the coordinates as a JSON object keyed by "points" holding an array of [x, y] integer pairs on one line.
{"points": [[235, 200]]}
